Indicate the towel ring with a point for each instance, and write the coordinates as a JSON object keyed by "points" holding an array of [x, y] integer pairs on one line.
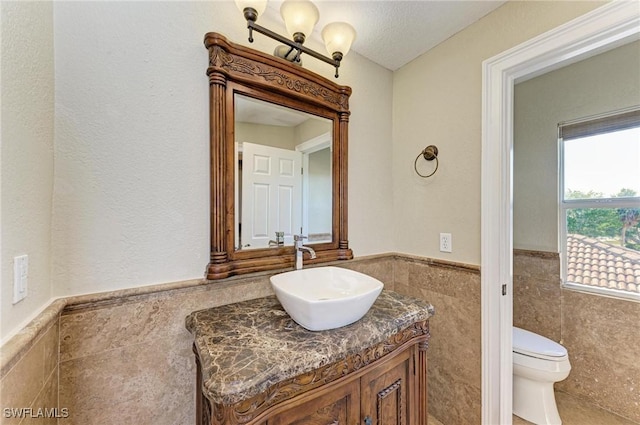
{"points": [[429, 153]]}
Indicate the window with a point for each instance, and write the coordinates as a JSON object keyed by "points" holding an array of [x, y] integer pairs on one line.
{"points": [[600, 204]]}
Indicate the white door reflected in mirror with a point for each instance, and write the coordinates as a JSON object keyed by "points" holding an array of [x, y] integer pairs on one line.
{"points": [[271, 195], [284, 175]]}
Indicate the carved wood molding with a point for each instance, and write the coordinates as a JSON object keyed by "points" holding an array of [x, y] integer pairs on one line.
{"points": [[396, 389], [388, 390], [246, 411], [235, 64], [421, 375], [241, 63]]}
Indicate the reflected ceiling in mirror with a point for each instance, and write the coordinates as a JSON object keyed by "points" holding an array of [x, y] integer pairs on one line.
{"points": [[283, 184]]}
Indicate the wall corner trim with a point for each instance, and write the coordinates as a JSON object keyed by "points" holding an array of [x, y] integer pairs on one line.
{"points": [[17, 344]]}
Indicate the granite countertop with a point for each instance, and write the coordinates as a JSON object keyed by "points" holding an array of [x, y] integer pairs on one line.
{"points": [[247, 347]]}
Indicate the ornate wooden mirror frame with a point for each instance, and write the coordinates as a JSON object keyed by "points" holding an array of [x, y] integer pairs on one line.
{"points": [[238, 69]]}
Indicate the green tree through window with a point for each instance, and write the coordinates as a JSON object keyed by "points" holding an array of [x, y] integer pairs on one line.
{"points": [[618, 226]]}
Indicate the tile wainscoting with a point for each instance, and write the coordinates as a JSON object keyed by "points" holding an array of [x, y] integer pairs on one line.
{"points": [[129, 360], [601, 334], [29, 370], [125, 356], [454, 365]]}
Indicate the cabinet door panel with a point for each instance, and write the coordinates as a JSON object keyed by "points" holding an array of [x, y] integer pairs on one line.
{"points": [[340, 406], [386, 392]]}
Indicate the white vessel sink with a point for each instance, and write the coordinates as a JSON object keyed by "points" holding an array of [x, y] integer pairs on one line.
{"points": [[324, 298]]}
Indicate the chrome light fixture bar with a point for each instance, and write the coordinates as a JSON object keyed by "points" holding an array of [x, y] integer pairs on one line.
{"points": [[300, 16]]}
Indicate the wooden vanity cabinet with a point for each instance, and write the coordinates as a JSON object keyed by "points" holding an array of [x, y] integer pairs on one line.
{"points": [[340, 405], [256, 366], [388, 391]]}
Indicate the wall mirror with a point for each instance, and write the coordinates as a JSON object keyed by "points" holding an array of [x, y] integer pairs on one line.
{"points": [[278, 140], [283, 180]]}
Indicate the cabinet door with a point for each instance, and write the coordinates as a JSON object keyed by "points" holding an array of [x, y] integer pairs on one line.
{"points": [[339, 406], [387, 390]]}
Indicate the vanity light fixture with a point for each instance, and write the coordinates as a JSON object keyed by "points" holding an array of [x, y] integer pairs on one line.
{"points": [[300, 16]]}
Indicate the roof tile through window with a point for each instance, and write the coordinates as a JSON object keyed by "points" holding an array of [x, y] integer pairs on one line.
{"points": [[595, 263]]}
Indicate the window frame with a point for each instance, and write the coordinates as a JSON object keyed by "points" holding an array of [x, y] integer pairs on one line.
{"points": [[603, 203]]}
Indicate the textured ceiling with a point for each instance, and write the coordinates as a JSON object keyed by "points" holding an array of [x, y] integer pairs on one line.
{"points": [[391, 33], [258, 112]]}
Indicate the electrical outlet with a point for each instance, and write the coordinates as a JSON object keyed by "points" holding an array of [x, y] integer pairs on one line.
{"points": [[20, 275], [445, 242]]}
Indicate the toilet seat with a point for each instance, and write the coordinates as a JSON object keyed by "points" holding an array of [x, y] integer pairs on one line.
{"points": [[534, 345]]}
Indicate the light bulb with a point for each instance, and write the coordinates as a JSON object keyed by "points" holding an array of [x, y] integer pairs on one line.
{"points": [[338, 37], [300, 16]]}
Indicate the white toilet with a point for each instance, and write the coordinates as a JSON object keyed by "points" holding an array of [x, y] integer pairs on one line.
{"points": [[538, 362]]}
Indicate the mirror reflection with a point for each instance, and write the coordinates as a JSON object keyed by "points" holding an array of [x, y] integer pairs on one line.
{"points": [[283, 181]]}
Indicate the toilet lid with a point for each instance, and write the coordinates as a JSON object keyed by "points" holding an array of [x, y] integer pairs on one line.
{"points": [[534, 345]]}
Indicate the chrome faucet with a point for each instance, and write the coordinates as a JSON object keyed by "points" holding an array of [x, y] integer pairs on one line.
{"points": [[300, 248]]}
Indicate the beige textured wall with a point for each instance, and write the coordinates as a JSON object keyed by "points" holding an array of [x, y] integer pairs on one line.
{"points": [[320, 192], [27, 155], [131, 199], [603, 83], [279, 136], [268, 135], [312, 128], [601, 334], [437, 100]]}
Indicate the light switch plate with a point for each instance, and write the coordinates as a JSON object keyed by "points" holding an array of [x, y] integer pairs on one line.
{"points": [[20, 277]]}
